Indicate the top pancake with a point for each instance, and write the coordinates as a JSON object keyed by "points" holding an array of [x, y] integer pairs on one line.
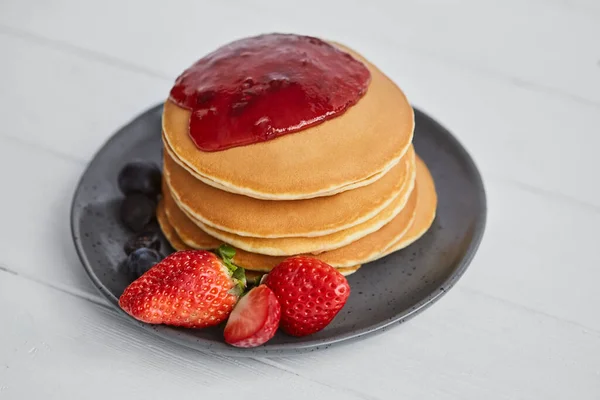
{"points": [[345, 152]]}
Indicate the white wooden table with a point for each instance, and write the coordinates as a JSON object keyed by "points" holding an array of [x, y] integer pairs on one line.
{"points": [[518, 81]]}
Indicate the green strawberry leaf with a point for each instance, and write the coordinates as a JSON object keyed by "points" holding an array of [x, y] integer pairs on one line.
{"points": [[226, 251], [240, 276], [237, 290]]}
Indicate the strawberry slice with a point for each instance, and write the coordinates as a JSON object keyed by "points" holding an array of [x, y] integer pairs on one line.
{"points": [[254, 320]]}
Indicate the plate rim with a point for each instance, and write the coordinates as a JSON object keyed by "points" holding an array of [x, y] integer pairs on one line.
{"points": [[206, 345]]}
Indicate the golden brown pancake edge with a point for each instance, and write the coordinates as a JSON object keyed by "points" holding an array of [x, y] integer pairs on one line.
{"points": [[251, 271], [247, 216], [361, 251]]}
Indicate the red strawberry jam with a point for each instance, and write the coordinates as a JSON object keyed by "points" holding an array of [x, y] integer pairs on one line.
{"points": [[259, 88]]}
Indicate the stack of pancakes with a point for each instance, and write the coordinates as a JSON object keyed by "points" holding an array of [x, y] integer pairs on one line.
{"points": [[348, 191]]}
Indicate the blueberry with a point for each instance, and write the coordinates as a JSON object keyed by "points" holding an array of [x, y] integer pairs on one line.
{"points": [[152, 227], [141, 260], [149, 239], [140, 177], [137, 211]]}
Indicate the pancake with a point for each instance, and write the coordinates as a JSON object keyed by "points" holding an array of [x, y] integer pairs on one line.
{"points": [[168, 230], [216, 185], [287, 246], [177, 244], [184, 226], [369, 248], [337, 155], [247, 216], [426, 211], [251, 273]]}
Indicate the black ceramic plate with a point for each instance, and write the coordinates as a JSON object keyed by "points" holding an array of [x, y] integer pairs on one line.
{"points": [[384, 292]]}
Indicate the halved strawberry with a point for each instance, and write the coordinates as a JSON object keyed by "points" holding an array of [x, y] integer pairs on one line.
{"points": [[310, 292], [254, 320]]}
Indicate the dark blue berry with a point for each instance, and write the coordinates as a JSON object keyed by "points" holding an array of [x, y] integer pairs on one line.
{"points": [[152, 227], [141, 260], [140, 177], [149, 239], [137, 211]]}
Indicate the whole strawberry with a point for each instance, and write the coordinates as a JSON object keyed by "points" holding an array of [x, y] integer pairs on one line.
{"points": [[310, 293], [192, 289]]}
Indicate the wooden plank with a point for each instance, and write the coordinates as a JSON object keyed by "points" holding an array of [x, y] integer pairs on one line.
{"points": [[545, 45], [515, 133], [59, 346], [66, 103], [35, 232], [468, 346], [540, 252]]}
